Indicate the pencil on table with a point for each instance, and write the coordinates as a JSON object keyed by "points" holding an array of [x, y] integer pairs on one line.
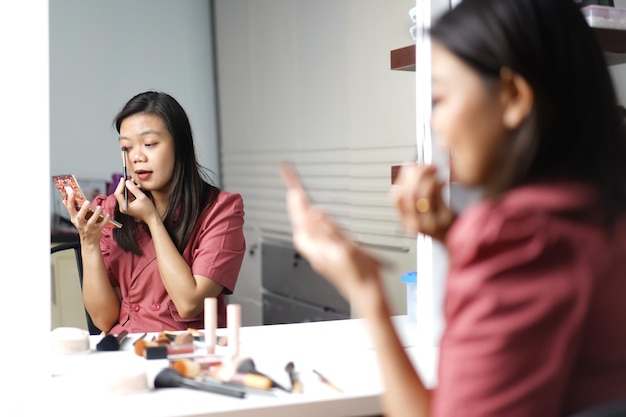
{"points": [[327, 382]]}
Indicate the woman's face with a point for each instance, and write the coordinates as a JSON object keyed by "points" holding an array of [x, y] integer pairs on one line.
{"points": [[149, 151], [466, 117]]}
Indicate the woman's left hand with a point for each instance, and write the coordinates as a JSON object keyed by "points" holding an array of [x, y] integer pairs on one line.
{"points": [[418, 197]]}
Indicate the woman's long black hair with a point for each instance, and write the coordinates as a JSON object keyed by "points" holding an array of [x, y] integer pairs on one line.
{"points": [[575, 130], [190, 190]]}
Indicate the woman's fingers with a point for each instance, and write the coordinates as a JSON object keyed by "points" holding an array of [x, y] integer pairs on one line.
{"points": [[412, 194], [293, 184], [312, 228], [417, 195], [298, 203], [133, 187], [120, 196], [289, 176], [132, 192]]}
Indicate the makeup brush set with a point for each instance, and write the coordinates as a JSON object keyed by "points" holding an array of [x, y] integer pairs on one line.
{"points": [[193, 359], [172, 359], [190, 366], [235, 378]]}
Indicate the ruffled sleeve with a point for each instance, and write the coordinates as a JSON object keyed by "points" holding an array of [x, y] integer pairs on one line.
{"points": [[218, 247]]}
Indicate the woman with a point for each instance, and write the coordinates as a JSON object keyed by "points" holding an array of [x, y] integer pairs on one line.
{"points": [[534, 301], [181, 240]]}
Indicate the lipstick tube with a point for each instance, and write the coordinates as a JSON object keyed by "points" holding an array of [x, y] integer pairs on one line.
{"points": [[210, 324], [233, 323]]}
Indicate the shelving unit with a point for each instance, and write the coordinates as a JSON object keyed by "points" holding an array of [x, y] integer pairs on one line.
{"points": [[612, 41], [403, 59], [395, 171]]}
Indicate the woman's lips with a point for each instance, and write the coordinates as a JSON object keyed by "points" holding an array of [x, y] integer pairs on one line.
{"points": [[143, 175]]}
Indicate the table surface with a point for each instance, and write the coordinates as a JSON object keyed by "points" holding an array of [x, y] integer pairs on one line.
{"points": [[341, 350]]}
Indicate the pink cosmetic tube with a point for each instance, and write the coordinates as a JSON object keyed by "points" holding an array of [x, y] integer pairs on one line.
{"points": [[233, 323], [210, 324]]}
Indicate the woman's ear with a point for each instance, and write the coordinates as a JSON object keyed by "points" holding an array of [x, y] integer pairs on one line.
{"points": [[517, 98]]}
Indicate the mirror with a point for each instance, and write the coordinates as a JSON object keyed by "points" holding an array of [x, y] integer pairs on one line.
{"points": [[306, 80]]}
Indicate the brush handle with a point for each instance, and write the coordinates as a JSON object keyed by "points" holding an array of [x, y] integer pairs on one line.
{"points": [[191, 383], [246, 366], [169, 378], [125, 173], [251, 380], [296, 385], [121, 336]]}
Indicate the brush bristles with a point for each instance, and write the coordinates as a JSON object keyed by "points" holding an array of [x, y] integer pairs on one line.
{"points": [[108, 343], [140, 347]]}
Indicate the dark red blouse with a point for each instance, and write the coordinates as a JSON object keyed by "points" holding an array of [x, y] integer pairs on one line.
{"points": [[535, 307], [215, 251]]}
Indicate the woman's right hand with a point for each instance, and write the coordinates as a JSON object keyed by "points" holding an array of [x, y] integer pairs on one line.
{"points": [[139, 205], [329, 251], [417, 195]]}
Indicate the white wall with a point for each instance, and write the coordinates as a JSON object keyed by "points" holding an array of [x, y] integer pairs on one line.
{"points": [[104, 52], [25, 256]]}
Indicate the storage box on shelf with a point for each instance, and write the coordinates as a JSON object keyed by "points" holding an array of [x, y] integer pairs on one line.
{"points": [[609, 25], [605, 17]]}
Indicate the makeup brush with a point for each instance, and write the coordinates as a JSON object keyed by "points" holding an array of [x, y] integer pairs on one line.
{"points": [[170, 378], [111, 343], [207, 379], [247, 366], [296, 385], [125, 177], [192, 368], [326, 381], [244, 379]]}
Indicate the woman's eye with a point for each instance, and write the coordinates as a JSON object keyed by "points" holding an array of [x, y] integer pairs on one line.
{"points": [[149, 145]]}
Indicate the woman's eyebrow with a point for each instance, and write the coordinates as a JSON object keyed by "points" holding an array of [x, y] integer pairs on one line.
{"points": [[150, 132], [144, 133]]}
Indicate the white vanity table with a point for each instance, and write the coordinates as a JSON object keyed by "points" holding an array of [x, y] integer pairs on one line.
{"points": [[341, 350]]}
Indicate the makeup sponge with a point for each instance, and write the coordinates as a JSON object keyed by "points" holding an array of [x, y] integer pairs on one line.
{"points": [[99, 374], [69, 340]]}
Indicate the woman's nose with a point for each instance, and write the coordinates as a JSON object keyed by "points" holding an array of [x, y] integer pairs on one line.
{"points": [[137, 156]]}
